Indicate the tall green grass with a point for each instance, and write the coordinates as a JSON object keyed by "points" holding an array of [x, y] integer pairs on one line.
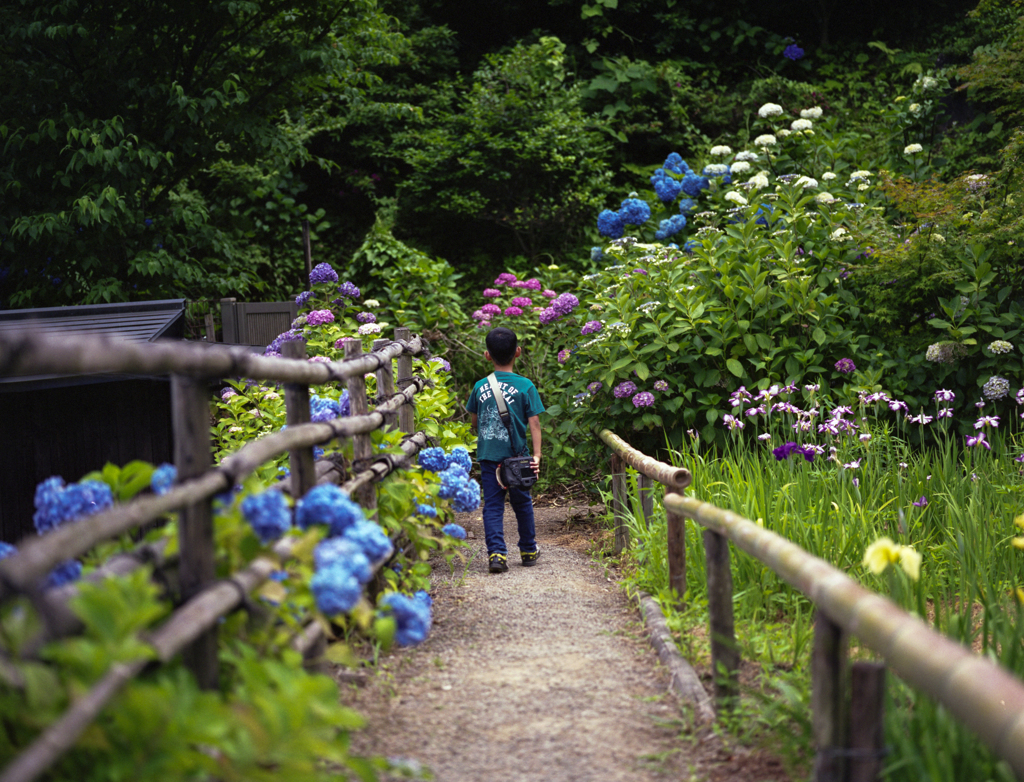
{"points": [[969, 573]]}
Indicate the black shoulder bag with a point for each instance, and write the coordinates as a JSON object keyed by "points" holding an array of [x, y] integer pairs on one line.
{"points": [[515, 471]]}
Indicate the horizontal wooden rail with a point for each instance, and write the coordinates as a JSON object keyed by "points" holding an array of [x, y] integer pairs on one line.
{"points": [[31, 353], [676, 478], [983, 696], [37, 556]]}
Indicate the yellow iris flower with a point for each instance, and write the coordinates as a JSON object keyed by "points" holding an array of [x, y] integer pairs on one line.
{"points": [[884, 552]]}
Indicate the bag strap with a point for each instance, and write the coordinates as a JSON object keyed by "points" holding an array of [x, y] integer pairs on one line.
{"points": [[499, 399]]}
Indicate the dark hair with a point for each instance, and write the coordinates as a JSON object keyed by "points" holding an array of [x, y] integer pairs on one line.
{"points": [[501, 344]]}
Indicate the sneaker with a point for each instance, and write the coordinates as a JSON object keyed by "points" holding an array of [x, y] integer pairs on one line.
{"points": [[497, 563], [530, 557]]}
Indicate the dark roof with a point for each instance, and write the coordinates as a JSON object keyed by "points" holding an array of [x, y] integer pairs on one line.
{"points": [[137, 321]]}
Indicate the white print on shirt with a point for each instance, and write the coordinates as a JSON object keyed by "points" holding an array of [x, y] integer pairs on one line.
{"points": [[490, 425], [508, 391]]}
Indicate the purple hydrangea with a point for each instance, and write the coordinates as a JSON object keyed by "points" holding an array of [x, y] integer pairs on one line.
{"points": [[289, 336], [320, 317], [366, 317], [563, 355], [661, 385], [591, 327], [268, 514], [513, 312], [594, 387], [491, 293], [303, 297], [624, 389], [522, 301], [349, 290], [845, 366], [454, 531], [322, 272], [565, 304], [548, 316], [444, 364], [505, 278], [643, 399]]}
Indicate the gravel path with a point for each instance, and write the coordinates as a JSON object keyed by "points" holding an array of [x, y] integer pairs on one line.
{"points": [[540, 673]]}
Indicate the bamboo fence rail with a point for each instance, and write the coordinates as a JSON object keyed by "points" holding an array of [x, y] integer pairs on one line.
{"points": [[191, 629]]}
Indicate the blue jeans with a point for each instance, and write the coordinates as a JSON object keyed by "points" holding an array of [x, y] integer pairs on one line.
{"points": [[494, 512]]}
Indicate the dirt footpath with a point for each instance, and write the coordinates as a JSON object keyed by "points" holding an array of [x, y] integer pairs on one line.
{"points": [[540, 673]]}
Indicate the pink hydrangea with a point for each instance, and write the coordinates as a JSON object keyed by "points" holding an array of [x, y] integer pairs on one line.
{"points": [[533, 284], [512, 312], [548, 294], [319, 317], [522, 301], [490, 309], [318, 360], [479, 315], [518, 284], [491, 293], [505, 278]]}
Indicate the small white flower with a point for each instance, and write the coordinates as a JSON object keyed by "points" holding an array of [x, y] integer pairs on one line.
{"points": [[806, 181], [736, 198], [824, 198], [938, 238], [828, 176], [812, 113], [781, 133], [769, 110], [740, 167], [759, 181], [745, 155], [915, 109], [860, 175], [840, 235], [721, 149], [912, 149], [766, 140], [801, 124], [862, 187]]}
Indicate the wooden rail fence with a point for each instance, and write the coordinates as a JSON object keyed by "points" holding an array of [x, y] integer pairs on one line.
{"points": [[191, 629], [846, 699]]}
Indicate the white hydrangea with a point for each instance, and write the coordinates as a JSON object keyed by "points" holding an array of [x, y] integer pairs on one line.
{"points": [[927, 82], [766, 140], [805, 182], [759, 181], [912, 149], [736, 198], [801, 124], [716, 169], [781, 133], [862, 186], [996, 387], [915, 109], [840, 234], [824, 198], [740, 167], [1000, 346], [769, 110], [811, 113], [745, 155], [721, 149], [371, 303], [369, 328], [828, 176]]}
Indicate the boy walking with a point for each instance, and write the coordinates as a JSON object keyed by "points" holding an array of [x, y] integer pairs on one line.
{"points": [[496, 442]]}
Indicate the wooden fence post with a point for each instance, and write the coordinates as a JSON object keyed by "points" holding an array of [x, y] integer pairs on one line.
{"points": [[362, 445], [645, 490], [725, 656], [385, 383], [406, 414], [190, 410], [296, 399], [676, 553], [619, 497], [828, 691], [867, 709]]}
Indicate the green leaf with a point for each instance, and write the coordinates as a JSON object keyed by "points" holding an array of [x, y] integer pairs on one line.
{"points": [[818, 335], [642, 371], [734, 366]]}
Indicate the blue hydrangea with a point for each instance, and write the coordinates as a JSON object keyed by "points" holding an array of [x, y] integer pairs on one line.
{"points": [[56, 503], [7, 550], [323, 409], [596, 254], [691, 246], [793, 52], [459, 455], [467, 497], [426, 510], [670, 227], [327, 504], [452, 480], [432, 459], [635, 211], [760, 214], [372, 540], [163, 478], [303, 297], [675, 163], [454, 531], [322, 272], [65, 573], [318, 453], [344, 553], [412, 616], [666, 188], [610, 224], [687, 206], [349, 290], [423, 597], [335, 589], [693, 184], [268, 514]]}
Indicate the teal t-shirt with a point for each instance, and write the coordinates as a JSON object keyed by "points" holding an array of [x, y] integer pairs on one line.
{"points": [[523, 402]]}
